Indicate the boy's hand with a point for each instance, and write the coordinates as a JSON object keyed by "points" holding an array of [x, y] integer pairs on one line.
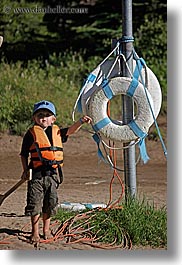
{"points": [[85, 119], [76, 126], [25, 175]]}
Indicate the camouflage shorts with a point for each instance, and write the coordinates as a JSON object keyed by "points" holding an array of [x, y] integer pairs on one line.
{"points": [[42, 196]]}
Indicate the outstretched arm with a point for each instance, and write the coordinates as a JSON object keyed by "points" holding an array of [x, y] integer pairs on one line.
{"points": [[76, 126]]}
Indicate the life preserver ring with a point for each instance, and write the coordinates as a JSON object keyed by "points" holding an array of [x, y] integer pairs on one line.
{"points": [[97, 110], [111, 67], [153, 87]]}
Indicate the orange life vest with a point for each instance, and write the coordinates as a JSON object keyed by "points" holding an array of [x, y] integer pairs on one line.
{"points": [[42, 152]]}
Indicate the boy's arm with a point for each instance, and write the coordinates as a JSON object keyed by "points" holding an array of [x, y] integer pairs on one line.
{"points": [[24, 162], [24, 153], [76, 126]]}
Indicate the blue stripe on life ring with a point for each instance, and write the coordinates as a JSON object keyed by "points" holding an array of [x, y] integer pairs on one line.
{"points": [[132, 87], [107, 90], [136, 129], [102, 123]]}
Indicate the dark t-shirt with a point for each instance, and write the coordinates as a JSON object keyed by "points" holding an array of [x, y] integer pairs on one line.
{"points": [[28, 140]]}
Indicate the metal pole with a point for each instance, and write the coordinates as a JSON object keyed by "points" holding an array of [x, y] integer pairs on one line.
{"points": [[127, 102]]}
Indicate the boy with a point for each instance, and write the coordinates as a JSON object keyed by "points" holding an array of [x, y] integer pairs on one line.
{"points": [[43, 142]]}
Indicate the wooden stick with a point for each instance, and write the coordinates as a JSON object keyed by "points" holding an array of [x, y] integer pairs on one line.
{"points": [[12, 189]]}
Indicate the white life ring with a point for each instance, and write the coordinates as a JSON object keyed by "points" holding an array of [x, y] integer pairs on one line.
{"points": [[154, 88], [105, 69], [97, 110]]}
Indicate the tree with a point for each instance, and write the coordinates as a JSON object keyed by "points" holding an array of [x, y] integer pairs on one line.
{"points": [[25, 34], [79, 25]]}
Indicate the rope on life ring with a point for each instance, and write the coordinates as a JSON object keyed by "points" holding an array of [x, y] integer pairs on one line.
{"points": [[115, 130], [93, 78], [111, 68]]}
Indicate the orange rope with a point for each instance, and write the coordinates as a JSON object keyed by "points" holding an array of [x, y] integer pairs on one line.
{"points": [[115, 174]]}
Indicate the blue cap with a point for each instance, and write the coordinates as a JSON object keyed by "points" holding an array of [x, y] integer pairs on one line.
{"points": [[44, 105]]}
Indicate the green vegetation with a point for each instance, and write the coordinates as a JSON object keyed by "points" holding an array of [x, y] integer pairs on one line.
{"points": [[59, 81], [48, 56], [142, 223]]}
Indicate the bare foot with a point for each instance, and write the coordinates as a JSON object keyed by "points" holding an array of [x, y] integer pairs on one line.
{"points": [[34, 239], [47, 235]]}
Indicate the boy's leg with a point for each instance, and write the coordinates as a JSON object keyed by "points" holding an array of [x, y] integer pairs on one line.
{"points": [[49, 205], [46, 225], [35, 228]]}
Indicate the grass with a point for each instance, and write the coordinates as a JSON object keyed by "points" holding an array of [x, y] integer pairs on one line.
{"points": [[139, 220], [58, 79]]}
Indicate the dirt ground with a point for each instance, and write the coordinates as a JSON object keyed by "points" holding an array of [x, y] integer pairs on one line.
{"points": [[86, 180]]}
